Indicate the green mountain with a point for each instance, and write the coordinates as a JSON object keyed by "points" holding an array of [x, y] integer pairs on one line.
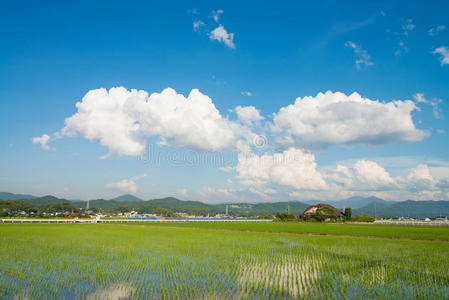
{"points": [[45, 200], [352, 202], [360, 206], [11, 196], [409, 208], [294, 207], [171, 202], [127, 198]]}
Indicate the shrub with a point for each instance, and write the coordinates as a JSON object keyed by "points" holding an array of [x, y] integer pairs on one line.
{"points": [[363, 219], [285, 216], [265, 216]]}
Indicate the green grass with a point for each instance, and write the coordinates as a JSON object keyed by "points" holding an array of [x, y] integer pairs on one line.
{"points": [[372, 230], [102, 261]]}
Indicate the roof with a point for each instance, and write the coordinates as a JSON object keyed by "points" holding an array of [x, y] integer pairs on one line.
{"points": [[313, 208]]}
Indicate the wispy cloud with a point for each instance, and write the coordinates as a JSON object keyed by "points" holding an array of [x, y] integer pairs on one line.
{"points": [[193, 11], [219, 33], [197, 25], [434, 102], [362, 57], [435, 30], [401, 49], [407, 26], [215, 14], [444, 52]]}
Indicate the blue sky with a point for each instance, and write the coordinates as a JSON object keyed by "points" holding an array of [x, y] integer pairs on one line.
{"points": [[249, 61]]}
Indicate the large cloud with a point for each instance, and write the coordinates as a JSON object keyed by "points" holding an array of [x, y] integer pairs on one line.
{"points": [[294, 168], [372, 174], [363, 175], [335, 118], [419, 179], [248, 114], [121, 120], [368, 176]]}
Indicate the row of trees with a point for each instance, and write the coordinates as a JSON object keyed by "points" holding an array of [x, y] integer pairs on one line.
{"points": [[16, 207], [321, 214]]}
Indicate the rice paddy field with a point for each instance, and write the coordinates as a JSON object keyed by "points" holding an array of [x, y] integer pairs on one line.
{"points": [[111, 261]]}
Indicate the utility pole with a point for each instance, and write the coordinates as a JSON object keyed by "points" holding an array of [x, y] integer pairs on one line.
{"points": [[227, 210], [374, 210], [288, 207]]}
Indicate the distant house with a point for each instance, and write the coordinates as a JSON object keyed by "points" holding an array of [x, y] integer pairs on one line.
{"points": [[322, 212]]}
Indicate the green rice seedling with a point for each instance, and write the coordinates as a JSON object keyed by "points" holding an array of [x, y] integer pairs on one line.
{"points": [[101, 261]]}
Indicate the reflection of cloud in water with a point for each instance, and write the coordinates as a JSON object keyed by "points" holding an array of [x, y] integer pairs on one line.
{"points": [[292, 276], [116, 292]]}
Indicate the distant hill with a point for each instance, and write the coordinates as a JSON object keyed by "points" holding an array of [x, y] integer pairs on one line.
{"points": [[294, 207], [11, 196], [102, 203], [352, 202], [45, 200], [360, 206], [127, 198], [409, 208], [178, 205], [172, 202]]}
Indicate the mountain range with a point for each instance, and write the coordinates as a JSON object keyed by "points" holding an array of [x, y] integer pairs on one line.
{"points": [[352, 202], [11, 196], [359, 205]]}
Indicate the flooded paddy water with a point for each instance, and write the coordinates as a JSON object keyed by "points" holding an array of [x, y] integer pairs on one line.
{"points": [[134, 262]]}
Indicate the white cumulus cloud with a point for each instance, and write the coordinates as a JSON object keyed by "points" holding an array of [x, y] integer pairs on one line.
{"points": [[364, 175], [336, 118], [419, 179], [221, 35], [248, 114], [293, 167], [372, 174], [42, 141], [122, 120], [126, 185]]}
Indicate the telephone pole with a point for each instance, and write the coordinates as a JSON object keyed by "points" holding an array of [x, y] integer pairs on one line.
{"points": [[374, 210]]}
